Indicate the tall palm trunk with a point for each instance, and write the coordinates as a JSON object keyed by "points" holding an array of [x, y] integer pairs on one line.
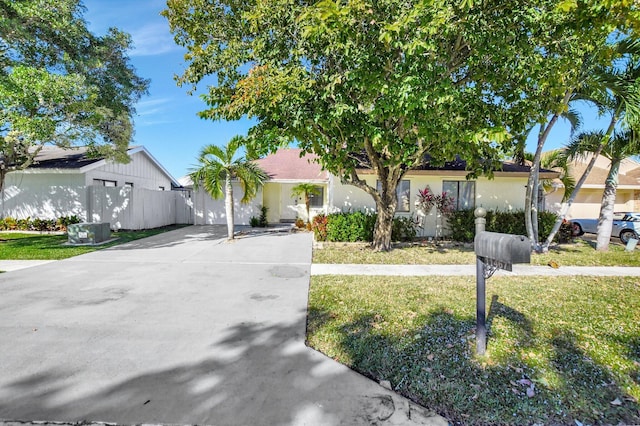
{"points": [[567, 205], [228, 204], [605, 220]]}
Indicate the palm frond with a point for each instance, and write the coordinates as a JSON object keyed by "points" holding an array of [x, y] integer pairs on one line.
{"points": [[574, 118], [251, 178], [584, 143]]}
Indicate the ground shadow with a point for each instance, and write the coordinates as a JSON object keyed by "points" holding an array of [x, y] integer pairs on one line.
{"points": [[435, 365], [288, 382]]}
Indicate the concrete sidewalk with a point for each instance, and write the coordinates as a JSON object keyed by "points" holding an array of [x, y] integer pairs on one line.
{"points": [[451, 270], [179, 328], [16, 265]]}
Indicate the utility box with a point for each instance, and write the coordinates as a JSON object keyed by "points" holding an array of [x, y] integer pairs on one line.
{"points": [[89, 233]]}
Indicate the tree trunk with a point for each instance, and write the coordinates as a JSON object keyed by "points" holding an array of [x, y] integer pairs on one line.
{"points": [[605, 220], [228, 204], [382, 231], [307, 203], [386, 205]]}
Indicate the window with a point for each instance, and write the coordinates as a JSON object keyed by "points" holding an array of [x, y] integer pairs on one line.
{"points": [[128, 184], [403, 194], [102, 182], [463, 193], [317, 199], [161, 188]]}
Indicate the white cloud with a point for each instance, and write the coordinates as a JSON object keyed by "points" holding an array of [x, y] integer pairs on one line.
{"points": [[151, 40], [151, 107]]}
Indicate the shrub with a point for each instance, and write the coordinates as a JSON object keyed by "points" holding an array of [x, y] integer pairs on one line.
{"points": [[37, 224], [350, 227], [63, 222], [462, 223], [319, 227], [359, 226], [403, 229], [260, 221], [299, 223]]}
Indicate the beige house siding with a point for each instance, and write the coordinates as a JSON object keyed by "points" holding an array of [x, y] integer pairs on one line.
{"points": [[588, 201]]}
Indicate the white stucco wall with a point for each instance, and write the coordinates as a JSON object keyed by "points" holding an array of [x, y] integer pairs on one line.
{"points": [[141, 171]]}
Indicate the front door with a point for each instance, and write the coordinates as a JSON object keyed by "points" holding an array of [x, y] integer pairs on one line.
{"points": [[288, 204]]}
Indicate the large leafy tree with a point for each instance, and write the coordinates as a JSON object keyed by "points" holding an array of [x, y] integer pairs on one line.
{"points": [[60, 84], [219, 167], [378, 84]]}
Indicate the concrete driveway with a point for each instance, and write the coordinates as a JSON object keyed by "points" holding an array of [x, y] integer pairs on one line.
{"points": [[178, 328]]}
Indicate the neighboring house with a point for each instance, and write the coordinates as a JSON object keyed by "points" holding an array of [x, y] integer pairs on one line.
{"points": [[286, 168], [587, 202], [65, 182]]}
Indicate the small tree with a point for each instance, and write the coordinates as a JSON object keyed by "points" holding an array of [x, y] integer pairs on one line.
{"points": [[307, 190], [217, 170]]}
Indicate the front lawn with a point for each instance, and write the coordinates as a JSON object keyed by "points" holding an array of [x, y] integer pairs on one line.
{"points": [[22, 246], [561, 351], [579, 253]]}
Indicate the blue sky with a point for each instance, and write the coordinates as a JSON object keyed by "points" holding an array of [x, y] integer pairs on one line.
{"points": [[167, 123]]}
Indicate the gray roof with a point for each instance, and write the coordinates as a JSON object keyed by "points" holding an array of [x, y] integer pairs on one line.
{"points": [[53, 157]]}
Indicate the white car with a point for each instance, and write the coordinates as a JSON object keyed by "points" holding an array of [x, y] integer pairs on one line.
{"points": [[626, 225]]}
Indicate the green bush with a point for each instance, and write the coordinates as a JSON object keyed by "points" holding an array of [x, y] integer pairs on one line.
{"points": [[260, 221], [404, 229], [37, 224], [359, 226], [462, 223]]}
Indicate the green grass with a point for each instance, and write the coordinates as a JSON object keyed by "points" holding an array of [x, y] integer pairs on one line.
{"points": [[19, 246], [579, 253], [576, 339]]}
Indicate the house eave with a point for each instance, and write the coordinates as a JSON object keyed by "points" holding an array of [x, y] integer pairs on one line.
{"points": [[315, 181], [464, 173], [48, 171]]}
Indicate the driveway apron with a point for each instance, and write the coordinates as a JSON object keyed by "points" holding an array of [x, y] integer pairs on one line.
{"points": [[181, 328]]}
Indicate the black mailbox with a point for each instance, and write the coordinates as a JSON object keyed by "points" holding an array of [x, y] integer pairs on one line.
{"points": [[502, 250]]}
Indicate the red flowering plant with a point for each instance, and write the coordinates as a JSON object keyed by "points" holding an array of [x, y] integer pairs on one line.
{"points": [[444, 203], [425, 200]]}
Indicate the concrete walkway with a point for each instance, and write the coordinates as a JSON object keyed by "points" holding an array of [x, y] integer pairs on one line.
{"points": [[424, 270], [179, 328], [15, 265]]}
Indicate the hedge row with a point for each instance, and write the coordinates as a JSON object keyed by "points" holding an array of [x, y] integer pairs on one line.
{"points": [[358, 226], [43, 225], [462, 224]]}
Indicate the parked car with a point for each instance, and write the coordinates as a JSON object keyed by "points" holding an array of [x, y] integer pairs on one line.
{"points": [[626, 225]]}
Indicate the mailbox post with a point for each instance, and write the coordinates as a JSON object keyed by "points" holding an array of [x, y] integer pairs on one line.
{"points": [[493, 251]]}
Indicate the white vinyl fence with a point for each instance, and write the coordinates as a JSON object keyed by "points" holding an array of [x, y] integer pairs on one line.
{"points": [[122, 207]]}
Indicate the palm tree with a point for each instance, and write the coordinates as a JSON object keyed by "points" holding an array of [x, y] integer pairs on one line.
{"points": [[218, 169], [615, 90], [558, 161], [306, 190], [621, 145]]}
